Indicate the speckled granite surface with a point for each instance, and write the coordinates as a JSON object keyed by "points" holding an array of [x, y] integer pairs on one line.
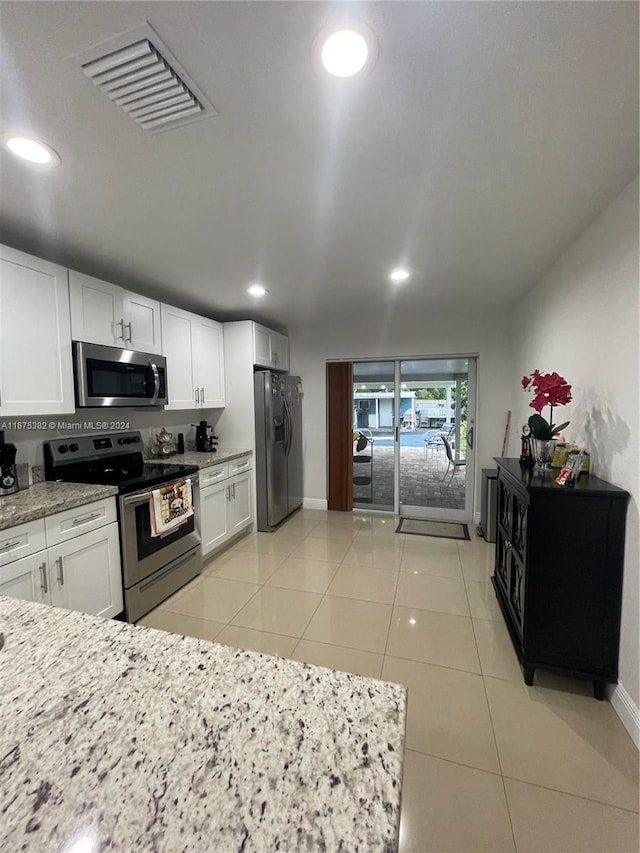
{"points": [[143, 740], [204, 460], [46, 499]]}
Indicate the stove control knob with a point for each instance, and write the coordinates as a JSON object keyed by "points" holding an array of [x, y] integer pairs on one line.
{"points": [[73, 447], [136, 438], [121, 440], [63, 448]]}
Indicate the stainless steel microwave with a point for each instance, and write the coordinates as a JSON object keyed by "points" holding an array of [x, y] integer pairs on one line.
{"points": [[109, 376]]}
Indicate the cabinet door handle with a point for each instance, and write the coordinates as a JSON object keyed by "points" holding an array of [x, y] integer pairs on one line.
{"points": [[43, 578], [121, 335], [202, 397], [128, 338], [234, 491], [197, 396], [228, 493], [60, 571], [9, 545], [84, 518]]}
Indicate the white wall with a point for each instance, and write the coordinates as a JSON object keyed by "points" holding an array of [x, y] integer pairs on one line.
{"points": [[581, 320], [437, 334]]}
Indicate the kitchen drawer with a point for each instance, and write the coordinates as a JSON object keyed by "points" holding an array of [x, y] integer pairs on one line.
{"points": [[239, 465], [72, 522], [22, 540], [215, 474]]}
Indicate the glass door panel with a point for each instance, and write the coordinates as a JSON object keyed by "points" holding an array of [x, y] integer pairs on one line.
{"points": [[436, 405], [374, 423]]}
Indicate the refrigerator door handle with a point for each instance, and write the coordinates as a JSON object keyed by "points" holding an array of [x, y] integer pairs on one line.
{"points": [[287, 428]]}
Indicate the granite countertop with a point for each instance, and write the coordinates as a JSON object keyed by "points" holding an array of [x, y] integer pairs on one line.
{"points": [[43, 499], [135, 739], [202, 460]]}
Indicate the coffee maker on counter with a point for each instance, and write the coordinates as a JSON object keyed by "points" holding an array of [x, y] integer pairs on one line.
{"points": [[206, 439], [8, 473]]}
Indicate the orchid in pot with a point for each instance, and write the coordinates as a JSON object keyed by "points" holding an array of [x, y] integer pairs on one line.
{"points": [[549, 389]]}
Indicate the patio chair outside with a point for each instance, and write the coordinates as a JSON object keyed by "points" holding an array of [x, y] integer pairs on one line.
{"points": [[454, 464]]}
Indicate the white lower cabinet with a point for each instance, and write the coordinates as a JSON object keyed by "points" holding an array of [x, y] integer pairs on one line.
{"points": [[80, 573], [84, 573], [240, 507], [27, 579], [214, 516], [226, 506]]}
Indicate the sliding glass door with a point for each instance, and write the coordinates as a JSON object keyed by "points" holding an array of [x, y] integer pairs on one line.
{"points": [[374, 421], [436, 438], [414, 436]]}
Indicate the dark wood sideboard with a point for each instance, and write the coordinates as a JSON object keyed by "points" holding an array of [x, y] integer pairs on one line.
{"points": [[558, 572]]}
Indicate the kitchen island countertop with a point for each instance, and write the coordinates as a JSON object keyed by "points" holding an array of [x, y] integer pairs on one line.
{"points": [[48, 498], [136, 739]]}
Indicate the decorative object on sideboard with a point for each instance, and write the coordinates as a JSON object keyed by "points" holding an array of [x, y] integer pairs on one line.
{"points": [[526, 450], [549, 389], [164, 445]]}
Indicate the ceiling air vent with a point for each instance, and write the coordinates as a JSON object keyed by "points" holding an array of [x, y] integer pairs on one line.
{"points": [[137, 72]]}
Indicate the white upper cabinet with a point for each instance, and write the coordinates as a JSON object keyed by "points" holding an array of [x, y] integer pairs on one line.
{"points": [[96, 310], [103, 313], [141, 323], [194, 349], [36, 373], [270, 349], [177, 348], [208, 362]]}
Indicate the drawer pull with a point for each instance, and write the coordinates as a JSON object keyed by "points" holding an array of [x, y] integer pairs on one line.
{"points": [[84, 518], [9, 545], [43, 573]]}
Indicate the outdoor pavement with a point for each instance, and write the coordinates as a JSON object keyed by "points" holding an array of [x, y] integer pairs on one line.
{"points": [[421, 474]]}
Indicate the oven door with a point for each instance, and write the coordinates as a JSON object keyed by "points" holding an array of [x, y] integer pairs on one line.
{"points": [[108, 376], [142, 553]]}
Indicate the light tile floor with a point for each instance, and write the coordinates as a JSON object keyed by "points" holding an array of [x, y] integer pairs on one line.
{"points": [[490, 764]]}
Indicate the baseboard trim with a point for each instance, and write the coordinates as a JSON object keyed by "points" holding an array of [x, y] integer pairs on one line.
{"points": [[314, 503], [476, 518], [628, 712]]}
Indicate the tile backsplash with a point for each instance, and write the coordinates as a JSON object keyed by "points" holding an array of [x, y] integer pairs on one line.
{"points": [[29, 441]]}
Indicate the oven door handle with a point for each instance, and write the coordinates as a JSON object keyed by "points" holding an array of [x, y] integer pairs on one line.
{"points": [[139, 499], [156, 381]]}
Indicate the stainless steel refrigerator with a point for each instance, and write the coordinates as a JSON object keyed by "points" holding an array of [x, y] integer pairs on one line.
{"points": [[278, 401]]}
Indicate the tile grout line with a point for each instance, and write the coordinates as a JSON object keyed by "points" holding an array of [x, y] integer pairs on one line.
{"points": [[570, 794]]}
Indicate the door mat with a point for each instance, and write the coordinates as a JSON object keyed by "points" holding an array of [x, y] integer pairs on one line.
{"points": [[441, 529]]}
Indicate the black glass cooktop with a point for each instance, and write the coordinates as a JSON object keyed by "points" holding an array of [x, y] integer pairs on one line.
{"points": [[128, 475]]}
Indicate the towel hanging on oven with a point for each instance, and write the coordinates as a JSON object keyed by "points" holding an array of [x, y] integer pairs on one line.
{"points": [[170, 506]]}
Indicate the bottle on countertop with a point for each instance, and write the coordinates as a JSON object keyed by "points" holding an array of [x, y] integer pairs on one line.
{"points": [[180, 448]]}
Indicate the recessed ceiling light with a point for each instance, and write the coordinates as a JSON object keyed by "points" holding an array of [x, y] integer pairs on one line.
{"points": [[344, 53], [30, 150], [399, 275], [256, 290]]}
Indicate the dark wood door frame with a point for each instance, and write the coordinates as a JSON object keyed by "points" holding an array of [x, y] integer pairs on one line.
{"points": [[340, 435]]}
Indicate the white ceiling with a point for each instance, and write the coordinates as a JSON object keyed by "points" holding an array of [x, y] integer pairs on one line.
{"points": [[484, 139]]}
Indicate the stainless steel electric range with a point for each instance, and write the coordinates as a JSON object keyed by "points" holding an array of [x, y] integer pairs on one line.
{"points": [[153, 567]]}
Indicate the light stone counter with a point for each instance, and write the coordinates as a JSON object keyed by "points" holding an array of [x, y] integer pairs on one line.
{"points": [[202, 460], [129, 738], [44, 499]]}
